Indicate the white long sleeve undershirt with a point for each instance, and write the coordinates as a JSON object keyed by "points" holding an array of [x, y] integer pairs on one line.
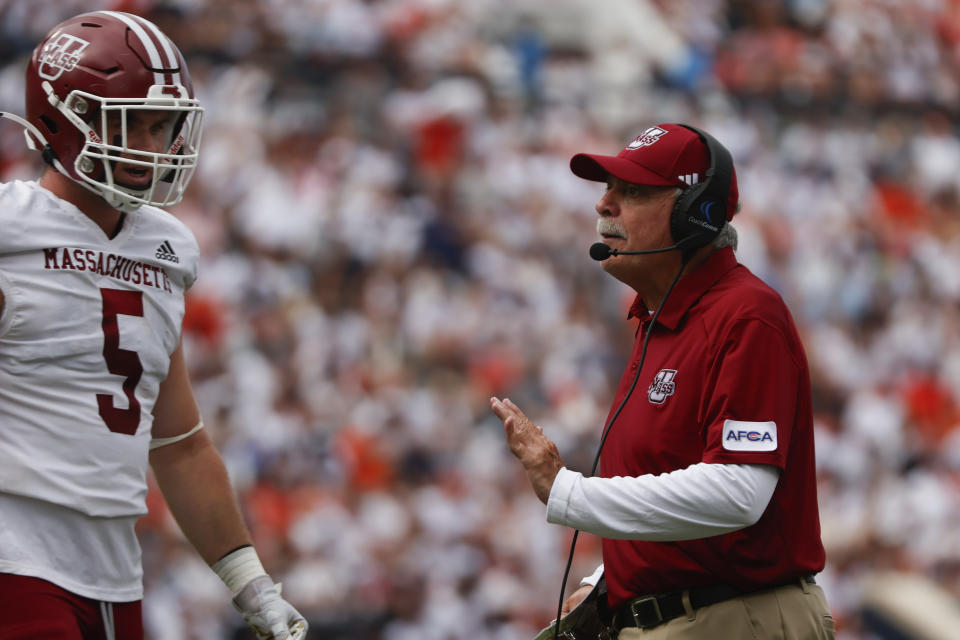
{"points": [[697, 502]]}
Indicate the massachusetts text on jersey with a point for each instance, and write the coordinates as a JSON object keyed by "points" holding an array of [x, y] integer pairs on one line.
{"points": [[107, 264]]}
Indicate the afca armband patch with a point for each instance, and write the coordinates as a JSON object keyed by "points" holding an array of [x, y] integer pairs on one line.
{"points": [[739, 435]]}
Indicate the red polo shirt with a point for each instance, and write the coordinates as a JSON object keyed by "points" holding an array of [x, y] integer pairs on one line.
{"points": [[725, 381]]}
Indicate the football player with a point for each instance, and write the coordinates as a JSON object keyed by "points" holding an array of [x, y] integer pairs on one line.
{"points": [[93, 384]]}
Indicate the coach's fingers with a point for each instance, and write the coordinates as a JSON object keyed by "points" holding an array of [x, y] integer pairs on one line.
{"points": [[522, 420], [510, 403], [500, 408]]}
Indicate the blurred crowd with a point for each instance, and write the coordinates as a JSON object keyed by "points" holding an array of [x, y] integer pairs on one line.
{"points": [[391, 234]]}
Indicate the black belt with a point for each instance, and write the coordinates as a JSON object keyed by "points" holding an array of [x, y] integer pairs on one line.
{"points": [[651, 611]]}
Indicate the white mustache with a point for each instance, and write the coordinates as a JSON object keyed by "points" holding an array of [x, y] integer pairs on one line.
{"points": [[607, 227]]}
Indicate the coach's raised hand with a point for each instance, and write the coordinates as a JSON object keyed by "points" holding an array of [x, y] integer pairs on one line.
{"points": [[537, 453]]}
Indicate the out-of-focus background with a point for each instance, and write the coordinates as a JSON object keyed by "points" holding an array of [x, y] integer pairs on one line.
{"points": [[391, 234]]}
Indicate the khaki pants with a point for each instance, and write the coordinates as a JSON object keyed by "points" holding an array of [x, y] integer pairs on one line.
{"points": [[792, 612]]}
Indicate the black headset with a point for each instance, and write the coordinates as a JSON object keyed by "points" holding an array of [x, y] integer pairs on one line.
{"points": [[701, 210]]}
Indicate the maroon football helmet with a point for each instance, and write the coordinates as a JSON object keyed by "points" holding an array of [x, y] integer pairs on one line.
{"points": [[89, 82]]}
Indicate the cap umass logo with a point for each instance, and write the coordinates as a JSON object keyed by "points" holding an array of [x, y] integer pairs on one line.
{"points": [[647, 138], [662, 386]]}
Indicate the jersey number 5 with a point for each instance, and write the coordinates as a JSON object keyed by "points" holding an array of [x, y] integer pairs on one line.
{"points": [[121, 362]]}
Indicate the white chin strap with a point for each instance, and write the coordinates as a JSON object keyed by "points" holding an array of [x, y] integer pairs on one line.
{"points": [[114, 199]]}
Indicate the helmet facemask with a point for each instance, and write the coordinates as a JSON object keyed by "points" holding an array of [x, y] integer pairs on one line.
{"points": [[156, 138], [89, 83]]}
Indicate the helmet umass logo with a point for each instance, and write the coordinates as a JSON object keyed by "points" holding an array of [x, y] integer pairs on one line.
{"points": [[61, 53]]}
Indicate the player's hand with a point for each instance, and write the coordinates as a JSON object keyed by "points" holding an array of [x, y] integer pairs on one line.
{"points": [[575, 598], [270, 616], [536, 452]]}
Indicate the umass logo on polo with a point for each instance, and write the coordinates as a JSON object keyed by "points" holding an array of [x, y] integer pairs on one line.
{"points": [[662, 386]]}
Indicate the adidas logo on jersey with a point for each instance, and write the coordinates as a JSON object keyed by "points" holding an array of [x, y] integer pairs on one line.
{"points": [[165, 252]]}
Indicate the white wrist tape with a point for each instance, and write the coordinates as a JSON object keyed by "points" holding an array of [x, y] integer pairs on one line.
{"points": [[238, 568]]}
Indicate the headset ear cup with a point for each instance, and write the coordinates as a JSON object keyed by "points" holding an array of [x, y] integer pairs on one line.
{"points": [[700, 212], [680, 226]]}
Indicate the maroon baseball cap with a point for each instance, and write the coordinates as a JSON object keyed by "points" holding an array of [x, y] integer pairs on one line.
{"points": [[668, 155]]}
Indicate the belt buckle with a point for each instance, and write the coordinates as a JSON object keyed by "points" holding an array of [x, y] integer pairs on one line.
{"points": [[651, 605]]}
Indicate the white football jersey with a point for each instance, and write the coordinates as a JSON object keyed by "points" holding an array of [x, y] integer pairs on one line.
{"points": [[86, 333]]}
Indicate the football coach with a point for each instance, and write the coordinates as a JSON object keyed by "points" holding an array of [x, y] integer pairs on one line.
{"points": [[706, 499]]}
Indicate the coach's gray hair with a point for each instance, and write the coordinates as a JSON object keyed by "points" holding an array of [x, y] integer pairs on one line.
{"points": [[726, 238]]}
